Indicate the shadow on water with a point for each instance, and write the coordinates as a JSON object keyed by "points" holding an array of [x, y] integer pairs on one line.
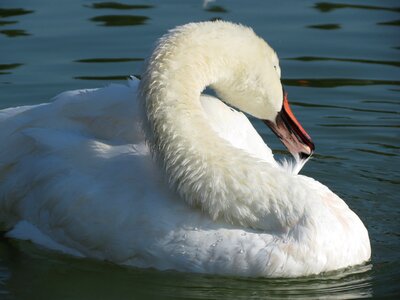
{"points": [[328, 7], [45, 275]]}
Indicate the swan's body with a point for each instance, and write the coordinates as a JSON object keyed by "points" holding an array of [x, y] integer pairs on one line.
{"points": [[77, 176]]}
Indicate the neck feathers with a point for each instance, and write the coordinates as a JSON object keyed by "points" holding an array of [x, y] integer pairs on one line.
{"points": [[206, 171]]}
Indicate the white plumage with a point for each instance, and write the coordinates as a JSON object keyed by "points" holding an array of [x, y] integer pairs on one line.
{"points": [[77, 176]]}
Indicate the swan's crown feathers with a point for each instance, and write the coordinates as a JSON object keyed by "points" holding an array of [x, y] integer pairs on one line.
{"points": [[240, 66]]}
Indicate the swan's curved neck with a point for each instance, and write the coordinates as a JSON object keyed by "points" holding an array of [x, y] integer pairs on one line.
{"points": [[207, 172]]}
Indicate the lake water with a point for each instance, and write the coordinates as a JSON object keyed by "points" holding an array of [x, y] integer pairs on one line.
{"points": [[340, 63]]}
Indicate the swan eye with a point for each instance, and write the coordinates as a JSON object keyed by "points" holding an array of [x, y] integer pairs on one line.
{"points": [[277, 70]]}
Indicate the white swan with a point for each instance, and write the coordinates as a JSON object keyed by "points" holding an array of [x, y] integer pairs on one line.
{"points": [[76, 174]]}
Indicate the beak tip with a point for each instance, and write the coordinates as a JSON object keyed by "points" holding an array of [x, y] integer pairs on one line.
{"points": [[309, 152]]}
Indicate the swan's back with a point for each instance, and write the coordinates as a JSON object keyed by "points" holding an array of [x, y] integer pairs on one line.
{"points": [[51, 140]]}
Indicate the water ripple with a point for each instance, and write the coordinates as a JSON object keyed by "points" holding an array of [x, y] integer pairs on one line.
{"points": [[117, 5], [385, 145], [325, 26], [360, 125], [336, 82], [5, 68], [12, 12], [120, 20], [216, 9], [390, 23], [108, 60], [345, 107], [108, 77], [14, 32], [3, 23], [352, 60], [328, 7], [382, 101], [375, 152], [328, 157], [368, 175], [63, 272]]}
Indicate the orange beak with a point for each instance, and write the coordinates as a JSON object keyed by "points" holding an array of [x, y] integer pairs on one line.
{"points": [[291, 133]]}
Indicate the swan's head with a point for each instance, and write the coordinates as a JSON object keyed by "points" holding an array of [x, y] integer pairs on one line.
{"points": [[254, 86], [240, 66]]}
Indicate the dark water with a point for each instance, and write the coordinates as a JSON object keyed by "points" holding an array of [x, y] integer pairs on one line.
{"points": [[340, 63]]}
